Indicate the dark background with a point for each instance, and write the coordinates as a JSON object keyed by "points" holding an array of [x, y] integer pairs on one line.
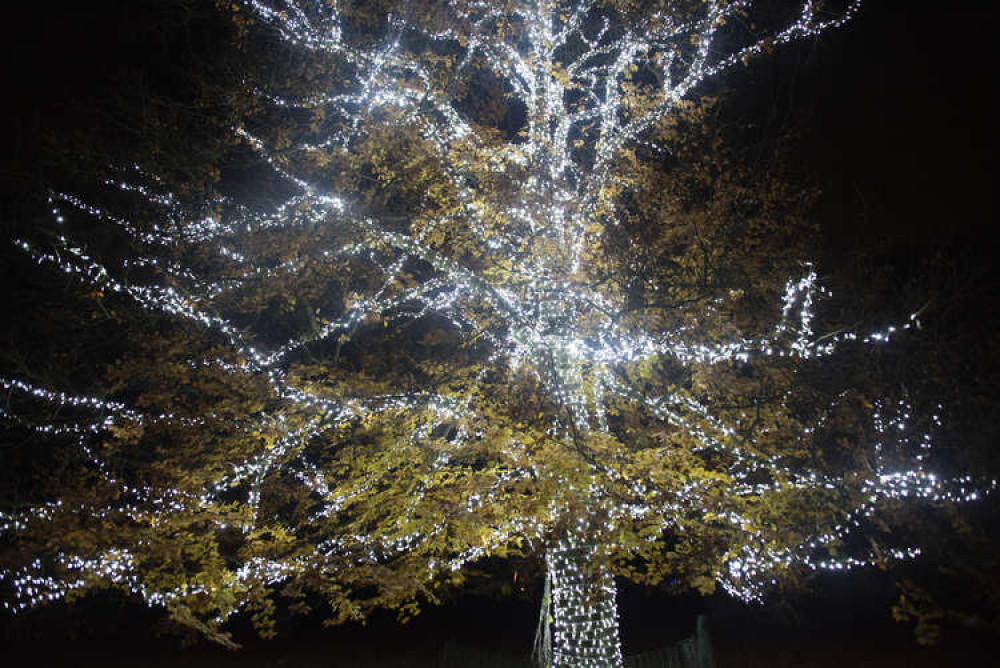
{"points": [[893, 117]]}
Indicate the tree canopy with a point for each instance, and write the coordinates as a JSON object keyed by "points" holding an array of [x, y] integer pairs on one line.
{"points": [[471, 279]]}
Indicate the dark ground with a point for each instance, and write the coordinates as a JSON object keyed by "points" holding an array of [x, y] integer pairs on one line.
{"points": [[848, 626]]}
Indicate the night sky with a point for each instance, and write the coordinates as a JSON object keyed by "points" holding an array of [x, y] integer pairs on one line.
{"points": [[904, 133], [895, 121]]}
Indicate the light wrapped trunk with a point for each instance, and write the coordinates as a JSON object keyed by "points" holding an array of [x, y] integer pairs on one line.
{"points": [[578, 627]]}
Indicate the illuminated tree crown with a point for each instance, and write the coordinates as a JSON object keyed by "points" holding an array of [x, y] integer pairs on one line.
{"points": [[470, 306]]}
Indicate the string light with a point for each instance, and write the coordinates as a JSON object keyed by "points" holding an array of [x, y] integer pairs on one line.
{"points": [[568, 65]]}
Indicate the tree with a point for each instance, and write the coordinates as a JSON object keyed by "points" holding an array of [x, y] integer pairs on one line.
{"points": [[491, 287]]}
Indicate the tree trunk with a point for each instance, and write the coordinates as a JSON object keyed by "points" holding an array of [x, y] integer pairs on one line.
{"points": [[578, 625]]}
